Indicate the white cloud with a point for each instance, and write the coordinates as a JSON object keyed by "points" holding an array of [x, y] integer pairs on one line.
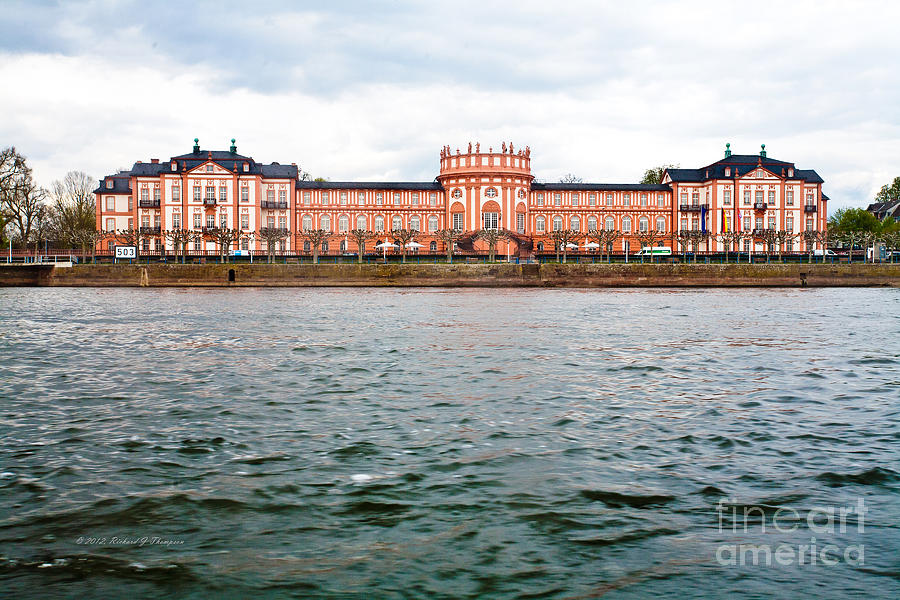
{"points": [[602, 90]]}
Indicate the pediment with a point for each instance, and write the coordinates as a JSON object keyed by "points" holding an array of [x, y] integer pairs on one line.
{"points": [[760, 173], [209, 168]]}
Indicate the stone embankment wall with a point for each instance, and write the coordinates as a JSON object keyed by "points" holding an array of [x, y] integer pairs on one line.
{"points": [[462, 275]]}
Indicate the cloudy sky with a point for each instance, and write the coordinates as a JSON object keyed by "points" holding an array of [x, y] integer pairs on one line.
{"points": [[373, 90]]}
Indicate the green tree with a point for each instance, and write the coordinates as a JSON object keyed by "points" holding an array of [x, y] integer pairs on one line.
{"points": [[655, 175], [889, 192], [858, 220]]}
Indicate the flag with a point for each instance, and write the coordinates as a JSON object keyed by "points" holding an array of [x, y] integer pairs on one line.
{"points": [[703, 218], [738, 220], [724, 221]]}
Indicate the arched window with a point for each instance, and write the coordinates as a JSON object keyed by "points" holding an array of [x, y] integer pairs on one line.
{"points": [[610, 224], [343, 224], [432, 224], [414, 223], [575, 224], [643, 224], [325, 247], [325, 223], [361, 222], [540, 224], [306, 246], [592, 223], [379, 223], [557, 223], [433, 246], [396, 222], [540, 246], [626, 224], [661, 224], [307, 222]]}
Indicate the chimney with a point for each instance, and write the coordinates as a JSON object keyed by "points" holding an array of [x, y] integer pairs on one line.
{"points": [[154, 161]]}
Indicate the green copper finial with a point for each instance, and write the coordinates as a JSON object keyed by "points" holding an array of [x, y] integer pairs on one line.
{"points": [[762, 151], [727, 149], [196, 145], [233, 147]]}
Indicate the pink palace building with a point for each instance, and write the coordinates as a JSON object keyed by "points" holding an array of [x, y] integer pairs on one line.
{"points": [[475, 189]]}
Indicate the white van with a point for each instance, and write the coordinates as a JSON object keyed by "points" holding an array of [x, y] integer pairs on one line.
{"points": [[824, 253]]}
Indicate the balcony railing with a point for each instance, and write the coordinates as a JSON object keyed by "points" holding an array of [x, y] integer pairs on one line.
{"points": [[209, 229], [266, 230], [760, 206], [691, 207], [148, 203], [809, 208], [762, 232], [209, 201], [273, 204], [151, 230]]}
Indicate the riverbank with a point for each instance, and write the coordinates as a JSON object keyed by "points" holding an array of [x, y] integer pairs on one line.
{"points": [[455, 275]]}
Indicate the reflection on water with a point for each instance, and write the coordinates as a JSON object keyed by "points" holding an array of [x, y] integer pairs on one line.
{"points": [[318, 443]]}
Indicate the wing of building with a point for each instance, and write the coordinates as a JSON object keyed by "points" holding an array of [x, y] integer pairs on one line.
{"points": [[206, 190]]}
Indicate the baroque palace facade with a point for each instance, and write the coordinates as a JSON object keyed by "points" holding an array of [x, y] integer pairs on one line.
{"points": [[475, 189]]}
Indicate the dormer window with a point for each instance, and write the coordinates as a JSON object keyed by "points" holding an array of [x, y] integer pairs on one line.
{"points": [[246, 167], [727, 171], [209, 168], [109, 184], [174, 166], [790, 172]]}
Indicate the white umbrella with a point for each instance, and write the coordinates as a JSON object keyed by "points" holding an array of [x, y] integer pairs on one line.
{"points": [[414, 245], [384, 246], [571, 245], [592, 245]]}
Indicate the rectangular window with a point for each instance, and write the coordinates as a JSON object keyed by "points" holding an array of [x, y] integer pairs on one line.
{"points": [[325, 198], [197, 193], [643, 199], [130, 203], [270, 196], [344, 198], [223, 220], [540, 199], [270, 222], [210, 193], [110, 224], [156, 195], [245, 243], [282, 222], [626, 200], [539, 226], [361, 199], [397, 198], [760, 197], [414, 198], [684, 224], [771, 222], [223, 194], [176, 193], [458, 221], [759, 223], [432, 199], [282, 197], [810, 198], [695, 199], [771, 197], [490, 220], [660, 200], [245, 221], [684, 198], [746, 197], [520, 222], [609, 200], [176, 221], [307, 198], [592, 200], [726, 197], [111, 203], [211, 221], [379, 198], [789, 224], [197, 220], [789, 198], [557, 199], [575, 199], [145, 221], [145, 195], [245, 194], [130, 223], [809, 224]]}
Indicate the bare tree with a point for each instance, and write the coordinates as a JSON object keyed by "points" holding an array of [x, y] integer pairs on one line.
{"points": [[74, 207], [605, 238], [315, 237], [403, 237], [272, 236], [823, 237], [449, 237], [89, 238], [649, 239], [767, 237], [782, 237], [131, 237], [361, 236], [562, 238], [683, 238], [810, 237], [491, 237], [570, 178], [42, 228], [730, 239], [13, 167], [23, 202], [180, 239], [225, 238]]}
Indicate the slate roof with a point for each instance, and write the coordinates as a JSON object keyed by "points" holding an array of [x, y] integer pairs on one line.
{"points": [[369, 185], [120, 185], [601, 187], [890, 208], [740, 165]]}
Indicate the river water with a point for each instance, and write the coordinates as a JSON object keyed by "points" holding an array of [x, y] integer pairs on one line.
{"points": [[429, 443]]}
